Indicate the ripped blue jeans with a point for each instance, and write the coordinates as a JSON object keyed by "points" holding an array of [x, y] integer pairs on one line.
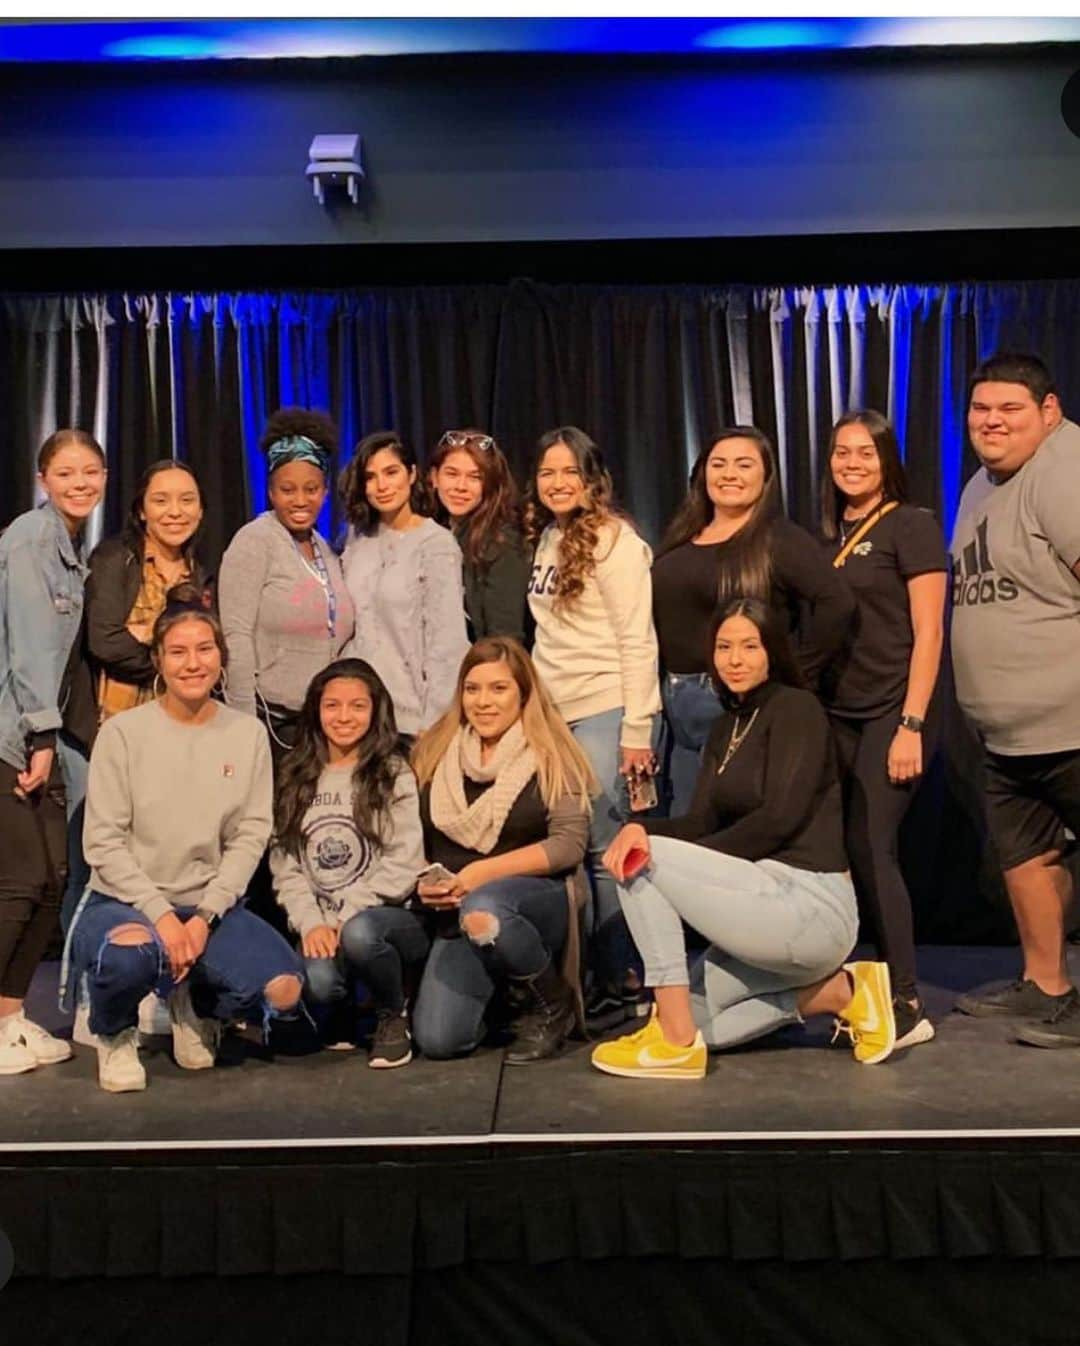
{"points": [[241, 956]]}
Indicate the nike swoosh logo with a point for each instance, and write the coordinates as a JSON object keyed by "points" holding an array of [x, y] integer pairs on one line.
{"points": [[646, 1058]]}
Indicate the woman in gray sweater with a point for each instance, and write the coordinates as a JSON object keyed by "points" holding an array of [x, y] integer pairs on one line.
{"points": [[284, 606], [170, 866], [403, 571]]}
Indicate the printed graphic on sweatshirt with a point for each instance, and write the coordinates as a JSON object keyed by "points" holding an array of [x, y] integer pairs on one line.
{"points": [[975, 581], [335, 854], [543, 580]]}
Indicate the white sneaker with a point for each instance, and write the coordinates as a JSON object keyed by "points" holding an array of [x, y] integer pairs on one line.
{"points": [[195, 1041], [119, 1069], [15, 1055], [45, 1049], [154, 1019], [80, 1029]]}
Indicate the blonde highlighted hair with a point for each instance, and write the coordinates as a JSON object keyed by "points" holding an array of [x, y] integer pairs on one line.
{"points": [[561, 766]]}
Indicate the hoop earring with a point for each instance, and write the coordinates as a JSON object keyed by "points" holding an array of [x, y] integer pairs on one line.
{"points": [[154, 689]]}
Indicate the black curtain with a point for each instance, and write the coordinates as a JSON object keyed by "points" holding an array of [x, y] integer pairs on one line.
{"points": [[649, 371]]}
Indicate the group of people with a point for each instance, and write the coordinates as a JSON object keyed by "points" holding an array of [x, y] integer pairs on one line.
{"points": [[248, 795]]}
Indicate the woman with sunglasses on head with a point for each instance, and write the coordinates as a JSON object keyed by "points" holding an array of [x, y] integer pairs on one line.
{"points": [[285, 607], [730, 538], [347, 849], [757, 867], [591, 598], [478, 499], [42, 574], [403, 571], [170, 866], [880, 691]]}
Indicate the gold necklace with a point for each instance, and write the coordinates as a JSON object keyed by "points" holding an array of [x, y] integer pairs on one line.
{"points": [[735, 741]]}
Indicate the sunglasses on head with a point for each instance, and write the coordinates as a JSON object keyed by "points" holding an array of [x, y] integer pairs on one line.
{"points": [[460, 439]]}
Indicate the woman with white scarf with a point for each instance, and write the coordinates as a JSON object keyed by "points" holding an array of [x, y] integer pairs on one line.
{"points": [[504, 799]]}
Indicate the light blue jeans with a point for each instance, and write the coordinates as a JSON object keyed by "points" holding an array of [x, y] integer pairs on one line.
{"points": [[691, 708], [75, 767], [772, 930], [612, 949]]}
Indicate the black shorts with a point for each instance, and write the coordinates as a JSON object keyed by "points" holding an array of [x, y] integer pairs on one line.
{"points": [[1030, 801]]}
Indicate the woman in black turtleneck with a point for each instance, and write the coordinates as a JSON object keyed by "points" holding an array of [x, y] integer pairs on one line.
{"points": [[757, 866]]}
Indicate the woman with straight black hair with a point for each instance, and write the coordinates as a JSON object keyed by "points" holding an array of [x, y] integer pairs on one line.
{"points": [[730, 538], [404, 573], [131, 573], [347, 848], [757, 867], [879, 692]]}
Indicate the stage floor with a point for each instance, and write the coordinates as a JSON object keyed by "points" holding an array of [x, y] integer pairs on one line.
{"points": [[971, 1081]]}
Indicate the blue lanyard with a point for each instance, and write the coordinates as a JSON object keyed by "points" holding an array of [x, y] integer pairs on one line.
{"points": [[318, 566]]}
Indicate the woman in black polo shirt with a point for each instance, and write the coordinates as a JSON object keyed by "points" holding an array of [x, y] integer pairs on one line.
{"points": [[878, 691]]}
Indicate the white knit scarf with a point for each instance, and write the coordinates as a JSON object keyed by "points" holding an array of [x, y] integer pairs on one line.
{"points": [[511, 766]]}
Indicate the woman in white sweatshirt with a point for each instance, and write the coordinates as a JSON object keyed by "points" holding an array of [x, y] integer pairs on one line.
{"points": [[591, 598], [348, 846]]}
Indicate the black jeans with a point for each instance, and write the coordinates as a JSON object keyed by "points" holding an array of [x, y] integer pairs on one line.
{"points": [[33, 844], [874, 808]]}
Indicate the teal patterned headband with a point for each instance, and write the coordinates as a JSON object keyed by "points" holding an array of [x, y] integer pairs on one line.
{"points": [[297, 449]]}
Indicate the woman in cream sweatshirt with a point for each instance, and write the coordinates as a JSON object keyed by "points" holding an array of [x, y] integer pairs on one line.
{"points": [[591, 598]]}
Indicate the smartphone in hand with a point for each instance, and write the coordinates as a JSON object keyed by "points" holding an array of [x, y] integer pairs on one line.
{"points": [[637, 857], [641, 789], [436, 874]]}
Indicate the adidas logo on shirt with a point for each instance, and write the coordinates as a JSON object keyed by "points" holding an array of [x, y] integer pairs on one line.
{"points": [[975, 582]]}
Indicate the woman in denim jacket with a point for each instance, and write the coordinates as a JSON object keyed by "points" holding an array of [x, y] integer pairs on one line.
{"points": [[42, 573]]}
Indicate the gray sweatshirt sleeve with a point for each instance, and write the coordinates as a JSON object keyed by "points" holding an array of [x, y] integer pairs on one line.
{"points": [[244, 845], [107, 826], [241, 579], [294, 893], [568, 834], [444, 637]]}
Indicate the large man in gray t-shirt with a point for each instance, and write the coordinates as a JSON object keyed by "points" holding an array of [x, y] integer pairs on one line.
{"points": [[1016, 656]]}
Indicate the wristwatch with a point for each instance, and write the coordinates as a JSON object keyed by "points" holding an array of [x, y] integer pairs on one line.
{"points": [[211, 918], [912, 722]]}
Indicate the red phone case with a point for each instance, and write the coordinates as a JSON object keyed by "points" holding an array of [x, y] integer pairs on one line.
{"points": [[635, 862]]}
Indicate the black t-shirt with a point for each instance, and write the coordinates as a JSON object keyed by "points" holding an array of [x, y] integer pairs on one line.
{"points": [[778, 798], [869, 676], [811, 596]]}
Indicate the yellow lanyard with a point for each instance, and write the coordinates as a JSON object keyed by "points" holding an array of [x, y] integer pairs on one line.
{"points": [[853, 541]]}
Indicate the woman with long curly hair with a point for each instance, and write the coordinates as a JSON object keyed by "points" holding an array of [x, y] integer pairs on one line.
{"points": [[347, 849], [285, 608], [730, 539], [477, 498], [504, 797], [404, 573], [591, 598]]}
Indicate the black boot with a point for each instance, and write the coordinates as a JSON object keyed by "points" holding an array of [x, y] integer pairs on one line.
{"points": [[548, 1020]]}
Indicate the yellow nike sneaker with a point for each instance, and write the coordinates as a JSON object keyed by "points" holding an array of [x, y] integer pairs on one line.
{"points": [[867, 1018], [647, 1055]]}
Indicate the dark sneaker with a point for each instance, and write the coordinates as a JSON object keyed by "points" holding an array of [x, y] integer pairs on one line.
{"points": [[392, 1044], [1019, 999], [912, 1023], [1061, 1029], [606, 1007]]}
